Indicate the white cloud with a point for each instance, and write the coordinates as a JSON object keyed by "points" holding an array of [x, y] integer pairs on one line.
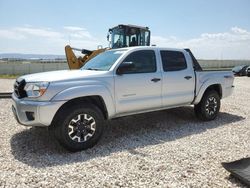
{"points": [[73, 28], [8, 34], [39, 32], [239, 30], [234, 44], [77, 32], [29, 39], [81, 35]]}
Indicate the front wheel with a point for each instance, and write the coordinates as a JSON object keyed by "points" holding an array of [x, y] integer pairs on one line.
{"points": [[79, 127], [208, 108]]}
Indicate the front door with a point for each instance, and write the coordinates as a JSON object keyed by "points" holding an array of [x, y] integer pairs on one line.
{"points": [[139, 89]]}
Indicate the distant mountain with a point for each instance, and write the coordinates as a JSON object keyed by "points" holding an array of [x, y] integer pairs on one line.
{"points": [[31, 56]]}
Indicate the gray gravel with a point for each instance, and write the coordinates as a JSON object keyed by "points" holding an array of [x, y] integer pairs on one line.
{"points": [[6, 85], [169, 148]]}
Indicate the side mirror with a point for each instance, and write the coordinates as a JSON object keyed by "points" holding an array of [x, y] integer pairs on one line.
{"points": [[125, 67]]}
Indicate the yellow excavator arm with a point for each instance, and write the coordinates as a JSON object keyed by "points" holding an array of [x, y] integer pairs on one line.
{"points": [[77, 62], [127, 39]]}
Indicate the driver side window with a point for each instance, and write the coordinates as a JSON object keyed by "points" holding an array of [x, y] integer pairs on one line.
{"points": [[144, 61]]}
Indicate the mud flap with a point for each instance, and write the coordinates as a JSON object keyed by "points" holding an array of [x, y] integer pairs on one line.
{"points": [[239, 169]]}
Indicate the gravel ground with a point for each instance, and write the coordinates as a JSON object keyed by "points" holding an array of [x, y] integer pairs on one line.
{"points": [[169, 148], [6, 85]]}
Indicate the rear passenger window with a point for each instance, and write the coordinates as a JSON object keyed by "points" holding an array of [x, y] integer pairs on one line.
{"points": [[144, 61], [173, 60]]}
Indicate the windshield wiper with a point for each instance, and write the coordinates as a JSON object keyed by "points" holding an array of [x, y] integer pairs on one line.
{"points": [[93, 69]]}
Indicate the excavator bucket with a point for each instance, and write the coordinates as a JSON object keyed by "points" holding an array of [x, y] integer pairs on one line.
{"points": [[73, 61], [77, 62]]}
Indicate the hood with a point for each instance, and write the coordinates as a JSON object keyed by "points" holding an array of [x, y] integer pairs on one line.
{"points": [[53, 76]]}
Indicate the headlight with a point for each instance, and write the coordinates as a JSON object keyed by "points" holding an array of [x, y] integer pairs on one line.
{"points": [[36, 89]]}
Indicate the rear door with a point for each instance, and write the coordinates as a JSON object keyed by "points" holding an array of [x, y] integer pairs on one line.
{"points": [[139, 89], [178, 78]]}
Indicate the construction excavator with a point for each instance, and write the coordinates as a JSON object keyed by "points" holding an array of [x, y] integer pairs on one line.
{"points": [[119, 36]]}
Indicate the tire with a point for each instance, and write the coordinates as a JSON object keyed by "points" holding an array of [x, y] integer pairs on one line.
{"points": [[209, 106], [78, 127]]}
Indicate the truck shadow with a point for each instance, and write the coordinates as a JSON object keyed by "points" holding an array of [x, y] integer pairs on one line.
{"points": [[35, 147]]}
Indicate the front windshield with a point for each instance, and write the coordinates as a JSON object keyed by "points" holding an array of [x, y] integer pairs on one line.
{"points": [[103, 61]]}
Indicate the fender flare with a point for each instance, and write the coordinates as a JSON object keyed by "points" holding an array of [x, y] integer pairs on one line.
{"points": [[203, 89], [86, 91]]}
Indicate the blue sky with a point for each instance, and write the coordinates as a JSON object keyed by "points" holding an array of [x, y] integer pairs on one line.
{"points": [[212, 29]]}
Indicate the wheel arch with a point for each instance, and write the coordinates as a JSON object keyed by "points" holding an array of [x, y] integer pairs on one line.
{"points": [[94, 99], [216, 87]]}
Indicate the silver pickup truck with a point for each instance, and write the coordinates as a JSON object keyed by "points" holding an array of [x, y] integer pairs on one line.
{"points": [[75, 104]]}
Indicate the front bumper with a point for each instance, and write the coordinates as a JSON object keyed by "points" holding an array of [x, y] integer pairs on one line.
{"points": [[34, 113]]}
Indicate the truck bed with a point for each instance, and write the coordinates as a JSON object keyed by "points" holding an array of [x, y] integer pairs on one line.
{"points": [[216, 77]]}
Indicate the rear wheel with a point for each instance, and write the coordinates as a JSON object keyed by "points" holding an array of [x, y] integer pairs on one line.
{"points": [[78, 127], [209, 106]]}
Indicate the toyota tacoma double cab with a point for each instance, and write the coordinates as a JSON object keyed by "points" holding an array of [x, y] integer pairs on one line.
{"points": [[75, 104]]}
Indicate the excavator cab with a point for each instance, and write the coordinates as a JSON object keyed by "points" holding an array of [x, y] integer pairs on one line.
{"points": [[128, 35], [118, 37]]}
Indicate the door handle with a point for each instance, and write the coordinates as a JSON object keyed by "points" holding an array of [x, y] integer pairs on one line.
{"points": [[188, 77], [155, 79]]}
